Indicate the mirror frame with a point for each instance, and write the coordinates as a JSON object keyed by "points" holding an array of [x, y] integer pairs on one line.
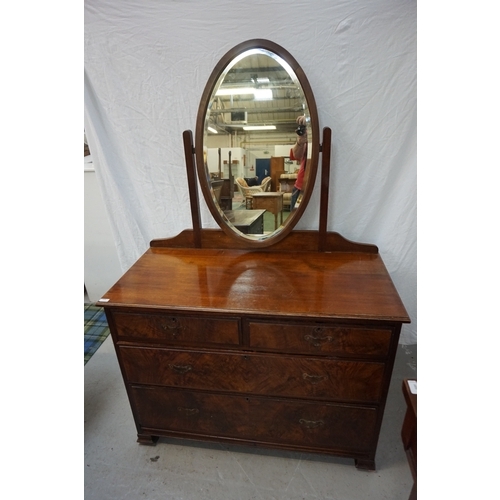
{"points": [[314, 146]]}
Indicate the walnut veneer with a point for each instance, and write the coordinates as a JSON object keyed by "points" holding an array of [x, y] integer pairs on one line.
{"points": [[286, 347]]}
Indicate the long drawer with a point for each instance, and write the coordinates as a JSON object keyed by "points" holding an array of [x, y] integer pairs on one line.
{"points": [[266, 374], [319, 338], [253, 419], [177, 329]]}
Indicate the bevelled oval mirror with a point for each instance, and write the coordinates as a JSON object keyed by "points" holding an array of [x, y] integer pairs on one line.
{"points": [[257, 142]]}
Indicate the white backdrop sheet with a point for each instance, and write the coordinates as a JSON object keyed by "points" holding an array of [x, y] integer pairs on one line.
{"points": [[147, 62]]}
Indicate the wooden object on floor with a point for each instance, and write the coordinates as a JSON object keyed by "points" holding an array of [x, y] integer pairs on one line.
{"points": [[276, 167], [247, 221], [227, 194], [217, 189], [272, 202], [286, 182], [409, 434]]}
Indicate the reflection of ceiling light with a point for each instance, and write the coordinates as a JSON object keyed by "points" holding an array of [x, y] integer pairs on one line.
{"points": [[263, 94], [211, 129], [259, 94], [236, 91], [263, 80], [259, 127]]}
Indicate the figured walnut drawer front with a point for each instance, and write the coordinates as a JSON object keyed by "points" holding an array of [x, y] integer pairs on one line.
{"points": [[301, 424], [177, 329], [289, 376], [319, 339]]}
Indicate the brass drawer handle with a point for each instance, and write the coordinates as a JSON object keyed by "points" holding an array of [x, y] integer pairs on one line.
{"points": [[188, 411], [311, 424], [314, 379], [173, 326], [180, 368], [317, 341]]}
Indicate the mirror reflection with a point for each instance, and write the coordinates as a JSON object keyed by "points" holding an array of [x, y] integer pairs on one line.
{"points": [[257, 127]]}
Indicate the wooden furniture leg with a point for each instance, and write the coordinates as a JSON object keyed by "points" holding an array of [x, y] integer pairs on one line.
{"points": [[364, 464], [409, 434], [147, 439]]}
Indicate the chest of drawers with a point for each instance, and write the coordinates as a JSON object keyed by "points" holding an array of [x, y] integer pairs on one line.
{"points": [[290, 351]]}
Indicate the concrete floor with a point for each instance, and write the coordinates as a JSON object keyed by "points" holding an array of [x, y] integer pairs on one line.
{"points": [[117, 468]]}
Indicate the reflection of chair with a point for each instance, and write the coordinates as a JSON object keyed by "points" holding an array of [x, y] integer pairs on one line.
{"points": [[247, 191]]}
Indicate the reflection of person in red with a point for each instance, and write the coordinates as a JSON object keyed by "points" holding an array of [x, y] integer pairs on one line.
{"points": [[299, 153]]}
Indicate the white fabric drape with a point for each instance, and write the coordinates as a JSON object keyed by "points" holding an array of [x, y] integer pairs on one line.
{"points": [[147, 62]]}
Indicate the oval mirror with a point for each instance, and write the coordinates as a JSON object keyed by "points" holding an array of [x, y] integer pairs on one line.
{"points": [[247, 127]]}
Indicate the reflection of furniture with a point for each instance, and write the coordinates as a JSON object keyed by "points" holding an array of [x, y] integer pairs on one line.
{"points": [[217, 189], [247, 221], [276, 167], [248, 191], [286, 183], [272, 202], [239, 346], [227, 194], [409, 434]]}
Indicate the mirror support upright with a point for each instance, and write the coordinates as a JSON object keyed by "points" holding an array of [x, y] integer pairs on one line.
{"points": [[325, 149], [189, 154]]}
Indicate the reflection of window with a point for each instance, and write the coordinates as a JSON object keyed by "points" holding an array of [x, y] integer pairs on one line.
{"points": [[238, 116]]}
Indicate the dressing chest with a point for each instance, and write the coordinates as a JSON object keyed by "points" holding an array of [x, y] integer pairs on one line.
{"points": [[291, 350], [282, 339]]}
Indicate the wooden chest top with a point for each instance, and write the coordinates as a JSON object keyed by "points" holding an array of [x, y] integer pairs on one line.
{"points": [[308, 284]]}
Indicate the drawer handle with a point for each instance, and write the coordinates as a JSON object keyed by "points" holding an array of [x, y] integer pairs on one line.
{"points": [[317, 341], [188, 411], [314, 379], [180, 368], [311, 424], [173, 327]]}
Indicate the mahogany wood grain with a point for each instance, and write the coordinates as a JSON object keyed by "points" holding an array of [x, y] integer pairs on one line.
{"points": [[284, 347], [250, 373], [177, 329], [297, 241], [321, 338], [318, 285], [298, 425]]}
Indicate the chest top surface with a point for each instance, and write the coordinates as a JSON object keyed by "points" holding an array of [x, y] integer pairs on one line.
{"points": [[309, 284]]}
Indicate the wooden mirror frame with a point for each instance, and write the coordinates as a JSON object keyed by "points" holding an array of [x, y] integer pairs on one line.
{"points": [[314, 146]]}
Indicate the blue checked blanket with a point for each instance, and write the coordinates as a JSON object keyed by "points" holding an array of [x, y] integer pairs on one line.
{"points": [[95, 330]]}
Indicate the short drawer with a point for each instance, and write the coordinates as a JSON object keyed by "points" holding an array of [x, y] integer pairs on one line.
{"points": [[287, 376], [177, 329], [254, 419], [319, 339]]}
